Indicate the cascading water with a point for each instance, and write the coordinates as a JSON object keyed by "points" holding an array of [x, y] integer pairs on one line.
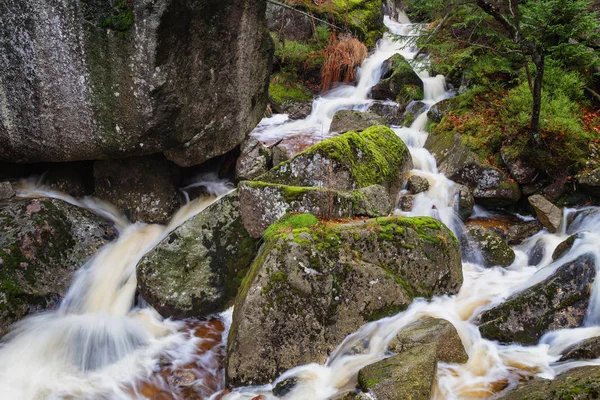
{"points": [[98, 345]]}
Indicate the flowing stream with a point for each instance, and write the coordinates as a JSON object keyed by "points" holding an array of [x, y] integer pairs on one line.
{"points": [[101, 344]]}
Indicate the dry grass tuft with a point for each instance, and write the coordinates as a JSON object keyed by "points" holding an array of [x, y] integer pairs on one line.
{"points": [[340, 59]]}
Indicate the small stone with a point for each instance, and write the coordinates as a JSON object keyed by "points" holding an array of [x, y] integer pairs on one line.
{"points": [[285, 386], [417, 184], [564, 247], [407, 202], [6, 191], [466, 202], [548, 214], [181, 378], [280, 154], [519, 232]]}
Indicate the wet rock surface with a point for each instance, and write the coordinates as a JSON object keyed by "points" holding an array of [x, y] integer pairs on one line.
{"points": [[144, 188], [431, 331], [493, 248], [560, 301], [466, 202], [518, 233], [311, 286], [490, 186], [389, 111], [417, 184], [42, 243], [197, 269], [253, 161], [348, 120], [410, 375], [399, 82], [376, 156], [578, 384], [548, 214], [94, 81]]}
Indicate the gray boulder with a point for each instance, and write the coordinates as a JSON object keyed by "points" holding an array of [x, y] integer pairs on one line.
{"points": [[577, 384], [439, 332], [390, 112], [519, 232], [410, 375], [348, 120], [466, 202], [590, 181], [253, 161], [375, 156], [145, 188], [520, 170], [42, 243], [560, 301], [91, 81], [312, 284], [549, 215], [197, 269], [263, 204], [490, 186], [400, 82], [417, 184], [494, 250], [6, 190]]}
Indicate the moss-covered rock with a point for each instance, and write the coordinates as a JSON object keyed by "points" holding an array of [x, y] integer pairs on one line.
{"points": [[262, 204], [438, 332], [311, 286], [494, 250], [349, 120], [564, 246], [490, 186], [197, 269], [355, 160], [407, 376], [577, 384], [401, 83], [560, 301], [42, 242]]}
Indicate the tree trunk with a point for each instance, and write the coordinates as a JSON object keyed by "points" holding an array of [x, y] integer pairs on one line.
{"points": [[537, 98]]}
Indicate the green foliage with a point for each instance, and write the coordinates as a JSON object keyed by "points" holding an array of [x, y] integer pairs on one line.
{"points": [[286, 87], [121, 19]]}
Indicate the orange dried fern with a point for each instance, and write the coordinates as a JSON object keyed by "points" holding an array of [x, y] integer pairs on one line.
{"points": [[340, 59]]}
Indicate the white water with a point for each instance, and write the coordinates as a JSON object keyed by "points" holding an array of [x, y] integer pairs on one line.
{"points": [[98, 344]]}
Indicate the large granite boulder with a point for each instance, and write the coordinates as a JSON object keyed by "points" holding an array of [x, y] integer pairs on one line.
{"points": [[493, 249], [263, 204], [560, 301], [349, 120], [312, 284], [490, 186], [145, 188], [42, 243], [99, 79], [355, 160], [197, 269]]}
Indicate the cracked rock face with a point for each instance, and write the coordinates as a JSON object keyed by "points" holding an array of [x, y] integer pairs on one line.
{"points": [[84, 80], [549, 215]]}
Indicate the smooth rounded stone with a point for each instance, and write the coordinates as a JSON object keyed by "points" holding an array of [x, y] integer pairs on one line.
{"points": [[280, 154], [145, 188], [354, 160], [590, 181], [113, 79], [494, 250], [560, 301], [466, 202], [410, 375], [297, 109], [490, 186], [6, 191], [436, 331], [536, 254], [564, 247], [417, 184], [518, 233], [349, 120], [263, 204], [197, 269], [520, 171], [407, 202], [549, 215], [587, 349], [42, 243], [254, 159], [389, 111], [399, 82], [581, 383], [284, 387], [439, 110], [312, 284]]}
